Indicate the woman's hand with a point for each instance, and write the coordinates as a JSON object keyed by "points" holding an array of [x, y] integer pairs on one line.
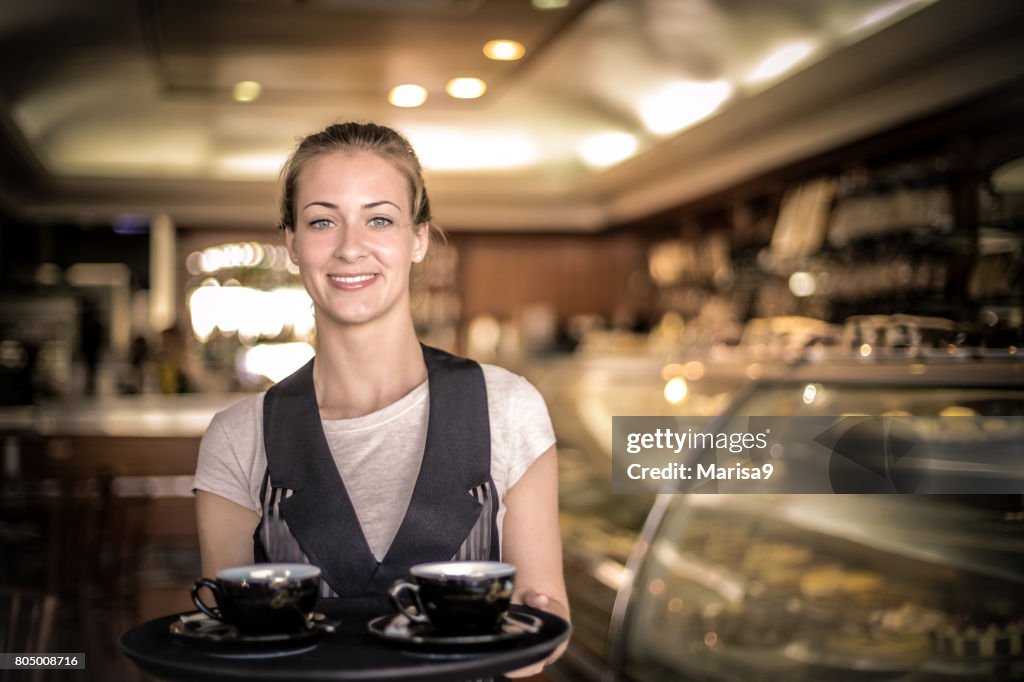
{"points": [[531, 540], [539, 600]]}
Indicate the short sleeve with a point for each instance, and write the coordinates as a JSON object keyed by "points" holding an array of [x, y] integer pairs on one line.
{"points": [[228, 454], [521, 429]]}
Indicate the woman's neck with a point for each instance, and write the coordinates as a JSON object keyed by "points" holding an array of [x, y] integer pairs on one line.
{"points": [[358, 370]]}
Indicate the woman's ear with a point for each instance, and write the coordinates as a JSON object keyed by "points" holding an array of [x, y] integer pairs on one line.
{"points": [[289, 241], [421, 243]]}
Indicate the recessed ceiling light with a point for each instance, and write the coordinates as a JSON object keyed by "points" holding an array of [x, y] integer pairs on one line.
{"points": [[246, 91], [466, 88], [407, 95], [504, 50], [550, 4]]}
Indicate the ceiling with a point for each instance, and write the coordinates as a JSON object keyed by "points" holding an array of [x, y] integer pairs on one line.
{"points": [[126, 105]]}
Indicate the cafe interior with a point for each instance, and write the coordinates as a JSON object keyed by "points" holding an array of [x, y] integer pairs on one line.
{"points": [[697, 208]]}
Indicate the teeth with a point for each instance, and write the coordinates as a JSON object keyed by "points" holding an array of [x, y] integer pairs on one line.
{"points": [[351, 280]]}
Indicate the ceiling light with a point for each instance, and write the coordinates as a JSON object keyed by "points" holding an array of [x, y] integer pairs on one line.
{"points": [[780, 61], [407, 95], [466, 88], [682, 104], [445, 150], [504, 50], [606, 149], [550, 4], [246, 91]]}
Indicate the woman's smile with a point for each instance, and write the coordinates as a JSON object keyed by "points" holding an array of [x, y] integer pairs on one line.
{"points": [[352, 282]]}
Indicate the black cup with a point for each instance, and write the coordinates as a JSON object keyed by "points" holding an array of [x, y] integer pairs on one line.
{"points": [[263, 598], [458, 597]]}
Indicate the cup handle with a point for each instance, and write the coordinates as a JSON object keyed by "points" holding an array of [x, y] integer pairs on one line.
{"points": [[198, 601], [395, 593]]}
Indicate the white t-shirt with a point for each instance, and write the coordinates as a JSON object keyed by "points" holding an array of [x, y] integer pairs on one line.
{"points": [[378, 452]]}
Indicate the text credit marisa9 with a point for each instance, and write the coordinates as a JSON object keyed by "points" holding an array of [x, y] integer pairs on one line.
{"points": [[818, 454], [656, 456]]}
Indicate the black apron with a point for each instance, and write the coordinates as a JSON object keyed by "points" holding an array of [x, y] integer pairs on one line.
{"points": [[308, 516]]}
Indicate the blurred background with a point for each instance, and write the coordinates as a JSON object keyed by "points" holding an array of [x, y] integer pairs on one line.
{"points": [[653, 207]]}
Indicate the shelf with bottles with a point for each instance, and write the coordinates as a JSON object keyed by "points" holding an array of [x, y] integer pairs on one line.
{"points": [[866, 213], [909, 198], [884, 239], [925, 220], [898, 262]]}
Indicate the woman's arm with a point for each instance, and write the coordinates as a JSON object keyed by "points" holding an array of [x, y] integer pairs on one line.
{"points": [[531, 540], [225, 532]]}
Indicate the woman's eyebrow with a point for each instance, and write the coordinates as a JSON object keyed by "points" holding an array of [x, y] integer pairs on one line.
{"points": [[375, 204], [325, 204], [334, 207]]}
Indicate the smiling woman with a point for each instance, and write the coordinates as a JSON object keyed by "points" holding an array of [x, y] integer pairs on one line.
{"points": [[380, 453], [354, 239]]}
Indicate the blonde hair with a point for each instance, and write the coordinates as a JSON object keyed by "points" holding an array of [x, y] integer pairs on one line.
{"points": [[356, 137]]}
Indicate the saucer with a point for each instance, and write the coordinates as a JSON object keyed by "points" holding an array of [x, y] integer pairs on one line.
{"points": [[226, 640], [398, 628]]}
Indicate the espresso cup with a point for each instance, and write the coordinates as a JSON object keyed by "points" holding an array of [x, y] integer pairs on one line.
{"points": [[458, 597], [263, 598]]}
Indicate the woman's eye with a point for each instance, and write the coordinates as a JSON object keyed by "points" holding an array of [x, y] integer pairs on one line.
{"points": [[380, 221], [320, 223]]}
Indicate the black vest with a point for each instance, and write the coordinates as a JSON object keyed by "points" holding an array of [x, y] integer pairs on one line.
{"points": [[307, 513]]}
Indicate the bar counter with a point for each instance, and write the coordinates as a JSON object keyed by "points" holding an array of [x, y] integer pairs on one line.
{"points": [[140, 415], [150, 435]]}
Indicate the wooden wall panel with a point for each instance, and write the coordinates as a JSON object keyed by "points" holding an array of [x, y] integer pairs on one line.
{"points": [[504, 274]]}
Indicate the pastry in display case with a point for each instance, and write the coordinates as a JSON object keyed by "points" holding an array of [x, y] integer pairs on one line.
{"points": [[850, 587], [828, 587]]}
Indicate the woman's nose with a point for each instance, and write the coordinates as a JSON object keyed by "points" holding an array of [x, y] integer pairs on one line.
{"points": [[350, 245]]}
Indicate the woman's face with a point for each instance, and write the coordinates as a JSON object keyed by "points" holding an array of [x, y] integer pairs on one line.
{"points": [[354, 239]]}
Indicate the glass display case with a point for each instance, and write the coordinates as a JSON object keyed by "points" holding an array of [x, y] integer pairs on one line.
{"points": [[599, 529], [829, 587], [851, 587]]}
